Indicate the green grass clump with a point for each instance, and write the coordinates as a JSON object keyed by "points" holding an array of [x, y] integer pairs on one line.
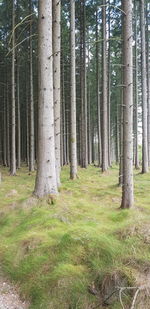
{"points": [[56, 251]]}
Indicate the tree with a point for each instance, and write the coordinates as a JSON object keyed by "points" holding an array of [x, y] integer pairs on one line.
{"points": [[127, 188], [56, 76], [148, 77], [104, 94], [98, 91], [83, 87], [46, 182], [31, 109], [144, 92], [136, 91], [13, 107], [73, 161]]}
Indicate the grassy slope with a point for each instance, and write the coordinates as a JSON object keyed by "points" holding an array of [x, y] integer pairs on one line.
{"points": [[57, 251]]}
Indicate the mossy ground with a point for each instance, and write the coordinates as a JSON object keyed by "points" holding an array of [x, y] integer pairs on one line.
{"points": [[56, 251]]}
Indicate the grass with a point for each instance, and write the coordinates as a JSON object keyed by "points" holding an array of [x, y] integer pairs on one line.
{"points": [[55, 252]]}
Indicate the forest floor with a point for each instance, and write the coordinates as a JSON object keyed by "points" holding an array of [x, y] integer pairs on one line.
{"points": [[82, 251], [9, 296]]}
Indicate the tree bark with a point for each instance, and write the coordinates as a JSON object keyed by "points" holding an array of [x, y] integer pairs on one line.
{"points": [[127, 188], [56, 77], [46, 182], [18, 120], [31, 106], [73, 146], [4, 129], [109, 87], [13, 107], [148, 79], [104, 95], [144, 91], [98, 92], [8, 125], [83, 87], [136, 91]]}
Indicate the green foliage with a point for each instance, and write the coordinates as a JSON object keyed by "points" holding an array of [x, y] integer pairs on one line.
{"points": [[57, 251]]}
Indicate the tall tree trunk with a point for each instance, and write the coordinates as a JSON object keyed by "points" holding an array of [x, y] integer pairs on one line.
{"points": [[13, 107], [4, 129], [8, 125], [136, 91], [73, 146], [63, 113], [31, 108], [104, 95], [117, 133], [27, 123], [18, 120], [148, 78], [144, 91], [46, 182], [109, 86], [121, 141], [89, 123], [98, 92], [127, 188], [83, 87], [56, 77]]}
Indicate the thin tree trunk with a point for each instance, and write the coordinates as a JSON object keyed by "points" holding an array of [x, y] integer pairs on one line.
{"points": [[148, 79], [127, 188], [46, 181], [136, 91], [4, 130], [64, 114], [121, 142], [109, 87], [56, 77], [18, 120], [104, 95], [98, 92], [89, 125], [13, 107], [8, 126], [31, 114], [144, 92], [84, 148], [73, 146], [27, 124], [117, 134]]}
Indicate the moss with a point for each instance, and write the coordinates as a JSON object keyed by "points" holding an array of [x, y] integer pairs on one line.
{"points": [[57, 250]]}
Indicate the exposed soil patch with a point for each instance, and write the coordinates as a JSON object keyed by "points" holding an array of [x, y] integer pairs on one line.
{"points": [[9, 296]]}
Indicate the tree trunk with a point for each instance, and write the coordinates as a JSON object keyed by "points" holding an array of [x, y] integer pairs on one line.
{"points": [[18, 120], [144, 92], [148, 79], [4, 129], [31, 114], [56, 77], [136, 91], [13, 107], [73, 146], [104, 95], [8, 126], [46, 182], [127, 188], [98, 92], [84, 148], [63, 113], [27, 123], [109, 87]]}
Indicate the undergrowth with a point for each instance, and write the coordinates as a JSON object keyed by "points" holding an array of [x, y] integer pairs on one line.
{"points": [[55, 252]]}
